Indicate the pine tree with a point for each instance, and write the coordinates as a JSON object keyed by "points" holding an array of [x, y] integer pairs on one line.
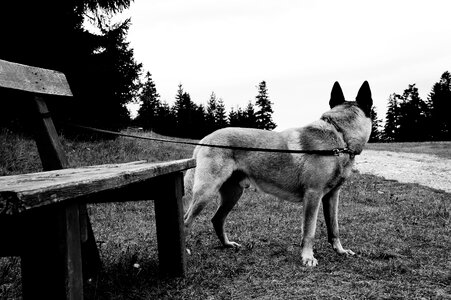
{"points": [[249, 117], [391, 128], [148, 117], [210, 117], [167, 119], [413, 116], [199, 122], [235, 116], [221, 115], [185, 111], [264, 109], [439, 101], [100, 68], [375, 126]]}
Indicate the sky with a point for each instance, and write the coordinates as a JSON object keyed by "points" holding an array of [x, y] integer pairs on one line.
{"points": [[300, 48]]}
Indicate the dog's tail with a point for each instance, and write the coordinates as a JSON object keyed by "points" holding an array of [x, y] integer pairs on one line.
{"points": [[188, 181]]}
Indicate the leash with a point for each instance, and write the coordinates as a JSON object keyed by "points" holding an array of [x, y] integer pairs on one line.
{"points": [[331, 152]]}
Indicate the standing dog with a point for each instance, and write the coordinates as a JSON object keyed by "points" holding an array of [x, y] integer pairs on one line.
{"points": [[307, 178]]}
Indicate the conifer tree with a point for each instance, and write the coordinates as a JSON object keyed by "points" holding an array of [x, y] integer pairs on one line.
{"points": [[375, 126], [100, 68], [185, 112], [221, 115], [391, 128], [210, 116], [439, 101], [413, 116], [148, 117], [249, 118], [264, 108]]}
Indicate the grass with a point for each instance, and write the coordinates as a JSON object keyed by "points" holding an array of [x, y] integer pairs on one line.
{"points": [[400, 232], [441, 149]]}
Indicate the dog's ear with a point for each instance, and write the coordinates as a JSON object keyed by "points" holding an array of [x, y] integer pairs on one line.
{"points": [[336, 96], [364, 99]]}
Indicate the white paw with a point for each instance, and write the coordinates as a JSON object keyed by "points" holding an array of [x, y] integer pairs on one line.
{"points": [[231, 245], [309, 261], [346, 252]]}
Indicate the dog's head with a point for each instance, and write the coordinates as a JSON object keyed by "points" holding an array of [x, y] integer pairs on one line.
{"points": [[363, 99], [353, 118]]}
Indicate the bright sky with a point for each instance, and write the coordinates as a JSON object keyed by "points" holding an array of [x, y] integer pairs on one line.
{"points": [[300, 48]]}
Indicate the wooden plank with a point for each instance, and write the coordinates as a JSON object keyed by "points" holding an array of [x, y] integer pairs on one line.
{"points": [[22, 192], [49, 146], [51, 257], [33, 79], [169, 223], [90, 253]]}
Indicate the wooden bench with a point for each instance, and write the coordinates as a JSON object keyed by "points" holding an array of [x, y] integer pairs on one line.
{"points": [[43, 215]]}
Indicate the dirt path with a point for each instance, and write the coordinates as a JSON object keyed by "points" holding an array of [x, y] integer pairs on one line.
{"points": [[424, 169]]}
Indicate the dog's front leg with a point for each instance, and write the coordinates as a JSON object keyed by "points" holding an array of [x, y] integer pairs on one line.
{"points": [[330, 208], [312, 199]]}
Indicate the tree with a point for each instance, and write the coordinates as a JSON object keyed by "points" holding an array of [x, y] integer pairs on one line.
{"points": [[439, 102], [210, 115], [100, 68], [391, 128], [167, 119], [376, 135], [413, 116], [185, 111], [221, 115], [148, 117], [249, 118], [264, 110], [199, 122], [216, 116]]}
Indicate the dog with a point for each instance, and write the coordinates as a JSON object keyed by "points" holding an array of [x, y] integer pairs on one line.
{"points": [[307, 178]]}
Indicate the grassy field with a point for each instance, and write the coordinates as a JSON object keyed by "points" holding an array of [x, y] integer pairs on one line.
{"points": [[401, 234], [441, 149]]}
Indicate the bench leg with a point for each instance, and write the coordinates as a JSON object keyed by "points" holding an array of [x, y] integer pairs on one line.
{"points": [[90, 252], [170, 229], [51, 262]]}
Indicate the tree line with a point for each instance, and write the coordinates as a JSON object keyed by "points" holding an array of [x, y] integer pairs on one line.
{"points": [[185, 118], [103, 73], [410, 118], [104, 76]]}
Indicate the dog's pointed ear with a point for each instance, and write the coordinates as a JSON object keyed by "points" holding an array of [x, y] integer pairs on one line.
{"points": [[364, 99], [336, 96]]}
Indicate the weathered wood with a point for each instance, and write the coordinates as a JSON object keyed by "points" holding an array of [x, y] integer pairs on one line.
{"points": [[22, 192], [49, 146], [32, 79], [170, 229], [89, 251], [51, 258], [53, 157]]}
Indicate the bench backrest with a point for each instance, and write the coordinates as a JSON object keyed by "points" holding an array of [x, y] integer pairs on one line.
{"points": [[39, 82]]}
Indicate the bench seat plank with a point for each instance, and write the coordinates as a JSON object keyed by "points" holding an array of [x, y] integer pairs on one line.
{"points": [[19, 193]]}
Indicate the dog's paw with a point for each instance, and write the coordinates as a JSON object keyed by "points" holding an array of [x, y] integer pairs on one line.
{"points": [[309, 261], [345, 252], [231, 245]]}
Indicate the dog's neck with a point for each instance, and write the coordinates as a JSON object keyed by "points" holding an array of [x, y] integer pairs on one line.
{"points": [[354, 128]]}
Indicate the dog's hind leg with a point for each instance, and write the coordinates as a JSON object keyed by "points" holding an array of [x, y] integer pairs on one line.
{"points": [[208, 178], [330, 208], [230, 191]]}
